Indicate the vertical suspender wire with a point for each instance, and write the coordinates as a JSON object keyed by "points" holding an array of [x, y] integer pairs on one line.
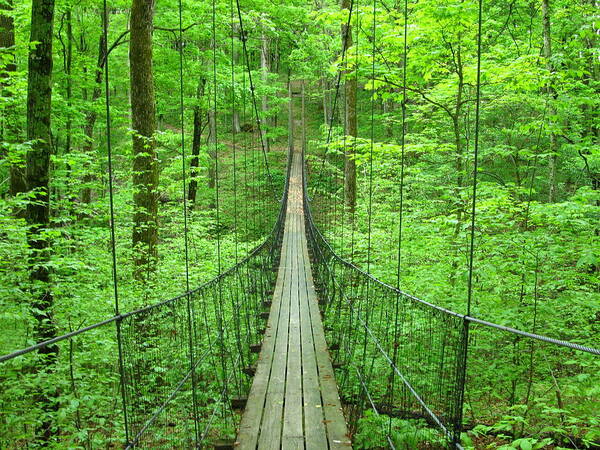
{"points": [[246, 201], [345, 122], [216, 140], [235, 300], [185, 227], [400, 213], [354, 138], [233, 133], [244, 38], [403, 149], [334, 109], [475, 161], [344, 146], [334, 105], [462, 370], [354, 342], [370, 201], [219, 309], [258, 122], [245, 147], [343, 199], [113, 244]]}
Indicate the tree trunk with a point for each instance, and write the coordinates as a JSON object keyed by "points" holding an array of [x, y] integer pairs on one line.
{"points": [[595, 67], [145, 159], [325, 102], [552, 164], [197, 141], [237, 128], [90, 120], [459, 163], [388, 106], [212, 142], [69, 90], [303, 118], [10, 130], [264, 66], [39, 107], [351, 122], [290, 115]]}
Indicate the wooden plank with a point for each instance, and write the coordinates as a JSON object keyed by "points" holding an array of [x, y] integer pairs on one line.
{"points": [[337, 431], [270, 431], [250, 424], [315, 436], [294, 401], [293, 436]]}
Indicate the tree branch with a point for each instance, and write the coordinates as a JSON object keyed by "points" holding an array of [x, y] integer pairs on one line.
{"points": [[421, 93]]}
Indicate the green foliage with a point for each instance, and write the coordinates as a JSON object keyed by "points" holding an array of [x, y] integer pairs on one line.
{"points": [[405, 434], [533, 258]]}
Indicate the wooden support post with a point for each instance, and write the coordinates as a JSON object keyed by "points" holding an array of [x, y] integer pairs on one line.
{"points": [[239, 402], [249, 370], [255, 348]]}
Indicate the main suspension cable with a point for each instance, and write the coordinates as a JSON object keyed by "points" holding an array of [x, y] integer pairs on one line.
{"points": [[113, 240]]}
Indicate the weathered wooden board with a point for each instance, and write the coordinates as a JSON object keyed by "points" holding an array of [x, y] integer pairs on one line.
{"points": [[294, 401]]}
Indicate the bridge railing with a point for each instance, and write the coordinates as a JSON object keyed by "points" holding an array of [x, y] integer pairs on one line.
{"points": [[402, 357], [409, 368], [529, 387], [186, 363]]}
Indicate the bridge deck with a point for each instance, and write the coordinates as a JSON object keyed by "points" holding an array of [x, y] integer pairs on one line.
{"points": [[294, 401]]}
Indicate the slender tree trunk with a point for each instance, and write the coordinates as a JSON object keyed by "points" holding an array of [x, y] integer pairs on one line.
{"points": [[69, 90], [237, 128], [90, 121], [145, 159], [458, 142], [197, 141], [325, 112], [264, 65], [290, 114], [303, 118], [212, 141], [351, 122], [552, 164], [388, 105], [39, 107], [10, 130], [236, 113], [592, 114], [459, 157], [595, 67]]}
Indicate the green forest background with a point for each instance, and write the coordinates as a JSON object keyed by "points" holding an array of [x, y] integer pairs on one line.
{"points": [[537, 254]]}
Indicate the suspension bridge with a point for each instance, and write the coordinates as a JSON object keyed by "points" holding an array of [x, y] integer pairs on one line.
{"points": [[286, 349]]}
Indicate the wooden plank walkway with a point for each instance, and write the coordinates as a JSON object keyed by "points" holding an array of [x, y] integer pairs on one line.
{"points": [[294, 401]]}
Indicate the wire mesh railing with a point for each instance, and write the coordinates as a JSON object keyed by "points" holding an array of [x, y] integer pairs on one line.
{"points": [[401, 357], [185, 362]]}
